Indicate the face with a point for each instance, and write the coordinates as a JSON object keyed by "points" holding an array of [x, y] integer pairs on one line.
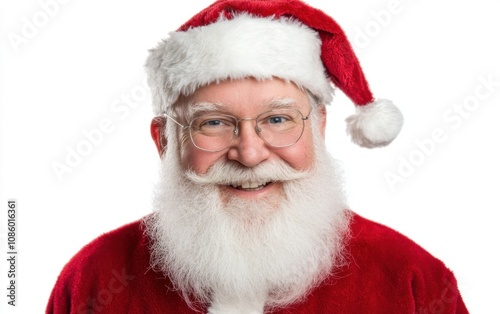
{"points": [[247, 98], [251, 245]]}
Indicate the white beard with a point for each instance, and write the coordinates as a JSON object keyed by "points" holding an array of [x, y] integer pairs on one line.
{"points": [[248, 255]]}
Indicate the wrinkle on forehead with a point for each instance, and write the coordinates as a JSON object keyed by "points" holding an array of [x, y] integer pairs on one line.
{"points": [[232, 100], [197, 108]]}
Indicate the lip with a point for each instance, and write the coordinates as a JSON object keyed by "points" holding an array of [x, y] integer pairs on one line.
{"points": [[252, 191], [250, 186]]}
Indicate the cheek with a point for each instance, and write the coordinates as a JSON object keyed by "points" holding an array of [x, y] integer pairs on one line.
{"points": [[197, 160], [301, 155]]}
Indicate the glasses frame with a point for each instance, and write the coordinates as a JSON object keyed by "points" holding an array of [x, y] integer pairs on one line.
{"points": [[236, 128]]}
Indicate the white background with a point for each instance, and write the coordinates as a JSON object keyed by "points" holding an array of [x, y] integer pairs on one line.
{"points": [[63, 78]]}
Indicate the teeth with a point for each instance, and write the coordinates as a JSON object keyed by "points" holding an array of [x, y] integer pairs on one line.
{"points": [[248, 185]]}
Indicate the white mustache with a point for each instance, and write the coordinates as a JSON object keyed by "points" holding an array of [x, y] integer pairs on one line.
{"points": [[227, 172]]}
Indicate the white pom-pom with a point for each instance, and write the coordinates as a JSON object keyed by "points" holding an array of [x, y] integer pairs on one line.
{"points": [[375, 124]]}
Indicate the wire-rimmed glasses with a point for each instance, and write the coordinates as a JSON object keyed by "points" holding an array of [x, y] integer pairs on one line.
{"points": [[214, 132]]}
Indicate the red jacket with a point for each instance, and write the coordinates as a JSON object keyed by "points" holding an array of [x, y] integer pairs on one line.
{"points": [[387, 273]]}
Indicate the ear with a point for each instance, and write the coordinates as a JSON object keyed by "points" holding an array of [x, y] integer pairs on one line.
{"points": [[322, 119], [158, 134]]}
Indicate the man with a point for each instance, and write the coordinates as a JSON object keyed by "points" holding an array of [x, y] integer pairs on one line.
{"points": [[250, 214]]}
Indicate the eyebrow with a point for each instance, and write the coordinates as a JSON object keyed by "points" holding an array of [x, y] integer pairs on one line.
{"points": [[203, 106], [281, 103]]}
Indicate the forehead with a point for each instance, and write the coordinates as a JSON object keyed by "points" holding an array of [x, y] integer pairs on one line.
{"points": [[249, 95]]}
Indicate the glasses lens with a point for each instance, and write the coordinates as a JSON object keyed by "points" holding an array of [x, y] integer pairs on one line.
{"points": [[281, 127], [212, 132]]}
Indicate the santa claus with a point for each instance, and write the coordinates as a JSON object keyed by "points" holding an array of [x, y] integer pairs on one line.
{"points": [[250, 214]]}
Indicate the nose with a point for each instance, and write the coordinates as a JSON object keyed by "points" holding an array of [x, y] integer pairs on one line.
{"points": [[248, 148]]}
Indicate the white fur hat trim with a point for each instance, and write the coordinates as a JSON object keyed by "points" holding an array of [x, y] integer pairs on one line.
{"points": [[244, 46]]}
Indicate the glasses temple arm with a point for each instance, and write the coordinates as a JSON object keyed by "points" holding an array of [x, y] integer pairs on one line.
{"points": [[181, 125]]}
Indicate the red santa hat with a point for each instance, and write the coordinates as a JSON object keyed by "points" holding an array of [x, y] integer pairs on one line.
{"points": [[288, 39]]}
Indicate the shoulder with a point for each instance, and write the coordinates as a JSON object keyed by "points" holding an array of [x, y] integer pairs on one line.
{"points": [[400, 267], [113, 246], [101, 268], [385, 272], [374, 239]]}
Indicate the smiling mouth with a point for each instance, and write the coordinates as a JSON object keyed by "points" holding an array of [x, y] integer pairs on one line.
{"points": [[249, 186]]}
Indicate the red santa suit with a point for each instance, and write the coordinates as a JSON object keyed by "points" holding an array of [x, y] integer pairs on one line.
{"points": [[386, 273], [287, 39]]}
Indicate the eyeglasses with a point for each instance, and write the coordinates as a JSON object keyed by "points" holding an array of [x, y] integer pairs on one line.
{"points": [[214, 132]]}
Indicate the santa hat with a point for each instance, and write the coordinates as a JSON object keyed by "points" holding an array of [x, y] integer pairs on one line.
{"points": [[287, 39]]}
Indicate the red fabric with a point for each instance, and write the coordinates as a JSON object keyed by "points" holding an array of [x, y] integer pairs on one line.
{"points": [[387, 273], [337, 54]]}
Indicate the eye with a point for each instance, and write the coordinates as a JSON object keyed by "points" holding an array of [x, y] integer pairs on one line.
{"points": [[276, 119], [213, 123]]}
